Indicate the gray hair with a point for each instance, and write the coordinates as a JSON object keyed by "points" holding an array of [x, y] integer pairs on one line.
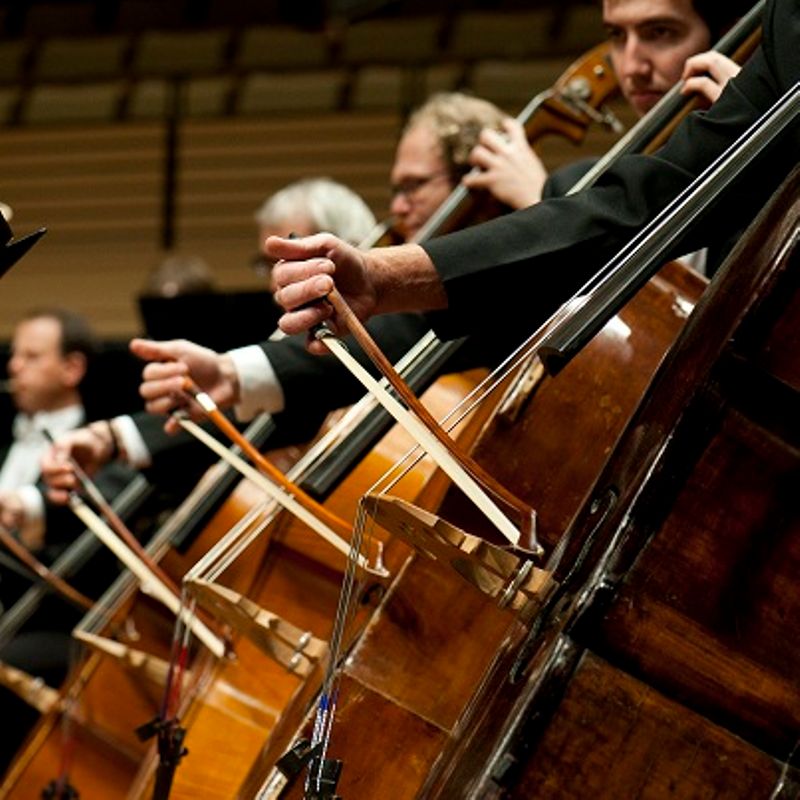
{"points": [[179, 274], [327, 205]]}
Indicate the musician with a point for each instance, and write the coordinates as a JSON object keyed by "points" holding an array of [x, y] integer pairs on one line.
{"points": [[654, 44], [492, 274], [433, 155], [50, 354], [51, 351]]}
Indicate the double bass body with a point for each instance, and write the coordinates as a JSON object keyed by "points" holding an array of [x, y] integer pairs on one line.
{"points": [[665, 664], [663, 660], [411, 676]]}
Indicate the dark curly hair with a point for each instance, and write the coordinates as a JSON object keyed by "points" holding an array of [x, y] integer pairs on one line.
{"points": [[720, 15]]}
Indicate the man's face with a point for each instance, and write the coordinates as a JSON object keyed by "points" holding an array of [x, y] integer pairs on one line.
{"points": [[420, 181], [41, 377], [650, 41]]}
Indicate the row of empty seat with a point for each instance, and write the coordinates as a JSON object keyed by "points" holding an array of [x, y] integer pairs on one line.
{"points": [[419, 40], [100, 190], [509, 84], [375, 64], [43, 18], [37, 18]]}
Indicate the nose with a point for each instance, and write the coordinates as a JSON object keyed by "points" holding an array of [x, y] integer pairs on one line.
{"points": [[634, 60], [399, 205]]}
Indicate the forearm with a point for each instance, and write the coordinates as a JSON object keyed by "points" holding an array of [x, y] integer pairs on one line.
{"points": [[405, 279]]}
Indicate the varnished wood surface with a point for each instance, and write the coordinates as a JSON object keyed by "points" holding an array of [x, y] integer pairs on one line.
{"points": [[552, 452], [678, 574], [613, 736]]}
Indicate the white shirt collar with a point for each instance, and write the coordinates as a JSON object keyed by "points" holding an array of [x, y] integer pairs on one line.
{"points": [[55, 422]]}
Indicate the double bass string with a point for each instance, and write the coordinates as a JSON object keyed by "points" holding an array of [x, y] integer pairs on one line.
{"points": [[563, 89]]}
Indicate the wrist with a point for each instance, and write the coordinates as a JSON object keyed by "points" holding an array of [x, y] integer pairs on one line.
{"points": [[404, 279], [230, 380], [108, 446]]}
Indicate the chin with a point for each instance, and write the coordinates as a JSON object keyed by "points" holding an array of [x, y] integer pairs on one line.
{"points": [[405, 233]]}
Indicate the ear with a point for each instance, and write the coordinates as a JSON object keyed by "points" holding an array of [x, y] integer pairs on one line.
{"points": [[74, 369]]}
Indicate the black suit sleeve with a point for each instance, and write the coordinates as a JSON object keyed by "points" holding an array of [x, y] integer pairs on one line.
{"points": [[560, 181], [525, 264], [312, 386]]}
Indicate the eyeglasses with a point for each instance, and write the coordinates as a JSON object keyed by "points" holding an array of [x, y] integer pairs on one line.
{"points": [[410, 186]]}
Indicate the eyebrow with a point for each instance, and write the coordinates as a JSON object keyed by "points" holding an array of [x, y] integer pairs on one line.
{"points": [[646, 22]]}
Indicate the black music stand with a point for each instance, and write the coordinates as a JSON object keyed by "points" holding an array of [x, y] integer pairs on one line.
{"points": [[220, 320], [12, 251]]}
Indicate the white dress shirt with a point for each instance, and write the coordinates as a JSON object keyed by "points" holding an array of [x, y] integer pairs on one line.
{"points": [[21, 468]]}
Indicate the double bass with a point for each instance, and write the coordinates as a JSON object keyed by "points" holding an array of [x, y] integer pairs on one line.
{"points": [[666, 662], [413, 707]]}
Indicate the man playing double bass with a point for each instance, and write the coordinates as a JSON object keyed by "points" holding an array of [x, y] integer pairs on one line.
{"points": [[651, 41]]}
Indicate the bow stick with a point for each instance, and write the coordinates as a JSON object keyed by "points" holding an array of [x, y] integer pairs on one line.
{"points": [[151, 584], [115, 521], [129, 551], [280, 494], [32, 563], [425, 429], [333, 529]]}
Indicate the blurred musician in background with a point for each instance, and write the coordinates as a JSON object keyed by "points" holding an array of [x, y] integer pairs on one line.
{"points": [[308, 206], [51, 350]]}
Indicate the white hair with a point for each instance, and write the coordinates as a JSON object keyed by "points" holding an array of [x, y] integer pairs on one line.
{"points": [[327, 205]]}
